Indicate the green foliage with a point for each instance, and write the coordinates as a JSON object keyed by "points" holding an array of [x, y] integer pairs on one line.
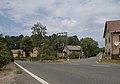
{"points": [[19, 54], [39, 29], [102, 49], [21, 58], [89, 46], [73, 40], [19, 71], [37, 40], [46, 57], [13, 42], [5, 57], [26, 45], [74, 55]]}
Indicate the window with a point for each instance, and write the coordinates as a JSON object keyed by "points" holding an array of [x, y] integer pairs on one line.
{"points": [[109, 52], [106, 52], [105, 41], [109, 39], [119, 37]]}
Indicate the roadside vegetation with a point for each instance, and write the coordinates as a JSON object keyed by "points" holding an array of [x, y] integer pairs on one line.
{"points": [[110, 61], [47, 46], [5, 55], [107, 60]]}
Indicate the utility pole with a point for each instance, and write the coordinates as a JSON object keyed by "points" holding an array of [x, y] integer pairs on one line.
{"points": [[62, 34]]}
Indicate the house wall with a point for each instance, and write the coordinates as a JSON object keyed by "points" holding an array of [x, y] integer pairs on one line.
{"points": [[110, 48], [15, 53], [34, 53], [108, 42], [116, 49]]}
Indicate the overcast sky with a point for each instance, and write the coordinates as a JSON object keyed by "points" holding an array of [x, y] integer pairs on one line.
{"points": [[84, 18]]}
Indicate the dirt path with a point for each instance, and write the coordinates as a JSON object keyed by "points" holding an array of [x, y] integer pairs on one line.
{"points": [[8, 75]]}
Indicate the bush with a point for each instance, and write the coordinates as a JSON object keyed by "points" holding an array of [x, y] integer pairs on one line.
{"points": [[46, 57], [35, 58], [4, 60], [5, 57], [20, 58], [74, 55]]}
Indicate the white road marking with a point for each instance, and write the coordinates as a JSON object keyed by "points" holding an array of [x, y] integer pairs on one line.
{"points": [[33, 75]]}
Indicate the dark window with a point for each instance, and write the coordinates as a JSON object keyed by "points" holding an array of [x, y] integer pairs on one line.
{"points": [[119, 37], [109, 39], [106, 52], [119, 51], [109, 52], [105, 41]]}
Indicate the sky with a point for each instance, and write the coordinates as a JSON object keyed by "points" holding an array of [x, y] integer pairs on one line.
{"points": [[84, 18]]}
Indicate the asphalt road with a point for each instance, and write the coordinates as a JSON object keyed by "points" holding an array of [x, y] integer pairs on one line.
{"points": [[85, 71]]}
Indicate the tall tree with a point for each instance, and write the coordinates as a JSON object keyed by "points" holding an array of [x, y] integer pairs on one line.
{"points": [[39, 29], [26, 45], [4, 53], [73, 40], [89, 46], [13, 42]]}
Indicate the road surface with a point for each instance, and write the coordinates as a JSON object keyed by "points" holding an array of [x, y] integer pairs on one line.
{"points": [[85, 71]]}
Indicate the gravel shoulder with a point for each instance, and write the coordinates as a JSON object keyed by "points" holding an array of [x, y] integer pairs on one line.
{"points": [[14, 75], [8, 75]]}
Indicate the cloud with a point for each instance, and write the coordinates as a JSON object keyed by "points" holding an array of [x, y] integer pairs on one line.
{"points": [[69, 23], [82, 17]]}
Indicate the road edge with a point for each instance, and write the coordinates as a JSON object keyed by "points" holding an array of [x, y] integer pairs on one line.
{"points": [[33, 75]]}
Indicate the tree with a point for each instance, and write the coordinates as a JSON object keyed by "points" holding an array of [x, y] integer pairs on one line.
{"points": [[73, 40], [89, 46], [102, 49], [13, 42], [4, 53], [26, 45], [39, 29], [37, 40]]}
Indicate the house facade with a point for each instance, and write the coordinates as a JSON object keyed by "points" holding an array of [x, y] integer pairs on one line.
{"points": [[21, 53], [112, 38], [35, 52], [18, 53], [69, 49]]}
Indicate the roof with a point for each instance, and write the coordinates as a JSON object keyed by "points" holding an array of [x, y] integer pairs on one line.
{"points": [[113, 26], [16, 51], [73, 47]]}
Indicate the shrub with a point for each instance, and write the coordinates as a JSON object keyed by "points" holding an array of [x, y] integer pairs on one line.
{"points": [[20, 58], [5, 57], [47, 57], [19, 71], [74, 55]]}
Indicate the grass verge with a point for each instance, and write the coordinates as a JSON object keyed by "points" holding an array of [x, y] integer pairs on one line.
{"points": [[110, 61], [18, 71]]}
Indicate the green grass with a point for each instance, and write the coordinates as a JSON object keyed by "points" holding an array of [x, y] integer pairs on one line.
{"points": [[21, 58], [18, 71], [110, 61]]}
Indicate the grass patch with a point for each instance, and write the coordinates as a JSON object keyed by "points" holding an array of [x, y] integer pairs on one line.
{"points": [[21, 58], [57, 61], [52, 61], [110, 61], [18, 71]]}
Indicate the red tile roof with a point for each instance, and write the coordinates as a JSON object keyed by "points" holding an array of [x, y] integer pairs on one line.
{"points": [[113, 26]]}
